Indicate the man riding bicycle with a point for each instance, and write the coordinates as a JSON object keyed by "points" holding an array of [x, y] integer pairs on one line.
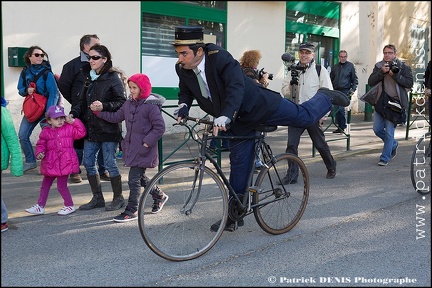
{"points": [[211, 76]]}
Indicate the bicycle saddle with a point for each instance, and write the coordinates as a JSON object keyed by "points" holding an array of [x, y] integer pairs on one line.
{"points": [[266, 128]]}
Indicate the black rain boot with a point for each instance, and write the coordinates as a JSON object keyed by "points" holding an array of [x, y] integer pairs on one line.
{"points": [[118, 200], [98, 200]]}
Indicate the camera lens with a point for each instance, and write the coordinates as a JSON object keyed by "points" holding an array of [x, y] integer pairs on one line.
{"points": [[270, 77]]}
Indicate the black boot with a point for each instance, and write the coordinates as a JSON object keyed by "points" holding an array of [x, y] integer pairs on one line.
{"points": [[98, 200], [118, 200]]}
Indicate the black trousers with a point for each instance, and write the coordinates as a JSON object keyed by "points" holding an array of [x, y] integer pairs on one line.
{"points": [[318, 139]]}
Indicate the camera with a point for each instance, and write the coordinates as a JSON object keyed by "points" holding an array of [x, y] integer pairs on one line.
{"points": [[294, 68], [262, 72], [394, 66]]}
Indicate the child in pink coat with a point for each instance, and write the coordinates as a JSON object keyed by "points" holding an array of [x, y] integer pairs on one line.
{"points": [[59, 159]]}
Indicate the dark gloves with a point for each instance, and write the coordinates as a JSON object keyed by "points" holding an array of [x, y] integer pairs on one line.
{"points": [[182, 111]]}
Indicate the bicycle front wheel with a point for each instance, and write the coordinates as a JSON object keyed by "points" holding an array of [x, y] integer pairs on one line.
{"points": [[280, 206], [421, 165], [181, 230]]}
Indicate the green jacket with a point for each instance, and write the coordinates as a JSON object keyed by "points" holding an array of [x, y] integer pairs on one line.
{"points": [[10, 146]]}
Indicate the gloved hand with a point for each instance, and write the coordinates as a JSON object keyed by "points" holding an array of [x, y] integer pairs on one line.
{"points": [[221, 121], [182, 111]]}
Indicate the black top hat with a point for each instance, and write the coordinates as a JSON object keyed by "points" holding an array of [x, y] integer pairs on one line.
{"points": [[188, 35], [307, 46]]}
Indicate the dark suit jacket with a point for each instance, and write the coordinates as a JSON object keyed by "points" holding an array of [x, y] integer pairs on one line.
{"points": [[233, 94]]}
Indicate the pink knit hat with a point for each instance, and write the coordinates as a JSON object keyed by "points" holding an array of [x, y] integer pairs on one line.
{"points": [[143, 83]]}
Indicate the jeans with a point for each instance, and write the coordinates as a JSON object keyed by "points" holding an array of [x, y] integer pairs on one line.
{"points": [[385, 129], [340, 113], [109, 150], [4, 212], [100, 160], [340, 117], [25, 130]]}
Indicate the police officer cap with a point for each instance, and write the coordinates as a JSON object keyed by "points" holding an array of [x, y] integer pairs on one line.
{"points": [[307, 46], [188, 35]]}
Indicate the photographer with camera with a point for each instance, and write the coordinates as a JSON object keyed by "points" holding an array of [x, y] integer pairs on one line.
{"points": [[249, 63], [301, 83], [344, 79], [397, 80]]}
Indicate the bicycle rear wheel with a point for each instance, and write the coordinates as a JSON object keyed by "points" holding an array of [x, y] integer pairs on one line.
{"points": [[280, 207], [421, 165], [181, 230]]}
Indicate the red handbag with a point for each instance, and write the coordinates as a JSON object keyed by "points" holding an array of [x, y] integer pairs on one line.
{"points": [[34, 105]]}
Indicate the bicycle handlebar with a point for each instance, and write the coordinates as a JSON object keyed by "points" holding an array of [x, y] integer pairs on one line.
{"points": [[199, 120]]}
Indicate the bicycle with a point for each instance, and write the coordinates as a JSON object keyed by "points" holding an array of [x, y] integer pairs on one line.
{"points": [[420, 167], [198, 197]]}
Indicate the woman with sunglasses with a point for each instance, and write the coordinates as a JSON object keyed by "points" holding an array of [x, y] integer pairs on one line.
{"points": [[34, 58], [107, 85]]}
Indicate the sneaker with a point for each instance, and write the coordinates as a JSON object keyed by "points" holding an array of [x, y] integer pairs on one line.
{"points": [[105, 176], [36, 210], [4, 227], [339, 131], [29, 166], [126, 216], [394, 152], [159, 203], [382, 163], [75, 178], [66, 210]]}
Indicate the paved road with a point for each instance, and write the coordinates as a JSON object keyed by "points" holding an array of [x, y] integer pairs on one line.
{"points": [[366, 227]]}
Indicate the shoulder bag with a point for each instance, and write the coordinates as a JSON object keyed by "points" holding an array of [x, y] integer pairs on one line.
{"points": [[390, 108], [34, 105]]}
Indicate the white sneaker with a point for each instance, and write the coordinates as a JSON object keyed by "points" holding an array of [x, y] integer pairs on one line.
{"points": [[36, 210], [66, 210]]}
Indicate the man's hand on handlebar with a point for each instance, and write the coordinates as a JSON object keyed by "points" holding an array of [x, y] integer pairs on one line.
{"points": [[181, 112], [219, 124]]}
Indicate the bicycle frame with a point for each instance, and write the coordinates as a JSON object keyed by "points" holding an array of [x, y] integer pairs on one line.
{"points": [[205, 155]]}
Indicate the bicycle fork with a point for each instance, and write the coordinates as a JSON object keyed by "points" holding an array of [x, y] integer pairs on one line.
{"points": [[198, 177]]}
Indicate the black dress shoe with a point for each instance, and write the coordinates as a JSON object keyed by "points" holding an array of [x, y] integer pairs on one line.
{"points": [[331, 174], [338, 131], [336, 97], [230, 226], [287, 180]]}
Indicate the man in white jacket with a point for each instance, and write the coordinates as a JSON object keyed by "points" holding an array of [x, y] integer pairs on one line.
{"points": [[305, 80]]}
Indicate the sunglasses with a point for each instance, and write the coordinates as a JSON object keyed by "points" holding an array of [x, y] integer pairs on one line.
{"points": [[39, 55], [94, 57]]}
